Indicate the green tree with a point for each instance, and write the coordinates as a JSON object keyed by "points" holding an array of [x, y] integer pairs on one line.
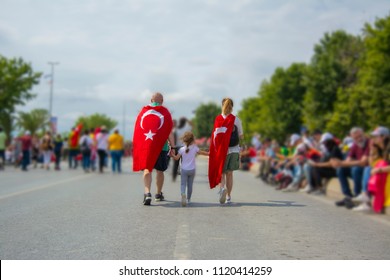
{"points": [[16, 81], [34, 121], [333, 69], [205, 115], [96, 120], [367, 102], [277, 111]]}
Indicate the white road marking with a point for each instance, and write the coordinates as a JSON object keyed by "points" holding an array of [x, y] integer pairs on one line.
{"points": [[182, 246]]}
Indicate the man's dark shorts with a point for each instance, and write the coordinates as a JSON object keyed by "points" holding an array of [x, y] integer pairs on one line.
{"points": [[162, 161]]}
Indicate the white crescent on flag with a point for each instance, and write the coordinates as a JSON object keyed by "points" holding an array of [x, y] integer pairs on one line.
{"points": [[152, 112], [219, 130]]}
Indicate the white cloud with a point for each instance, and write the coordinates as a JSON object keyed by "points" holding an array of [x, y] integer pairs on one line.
{"points": [[116, 53]]}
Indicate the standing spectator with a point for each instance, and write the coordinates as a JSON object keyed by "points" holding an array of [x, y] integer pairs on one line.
{"points": [[102, 147], [35, 154], [255, 141], [3, 138], [65, 149], [85, 144], [183, 126], [151, 152], [47, 149], [26, 148], [73, 143], [225, 150], [58, 144], [353, 166], [116, 146]]}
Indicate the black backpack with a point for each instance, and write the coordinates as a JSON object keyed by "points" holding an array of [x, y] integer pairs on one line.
{"points": [[234, 138]]}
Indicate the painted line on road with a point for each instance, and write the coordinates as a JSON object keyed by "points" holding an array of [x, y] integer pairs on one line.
{"points": [[44, 186], [182, 246]]}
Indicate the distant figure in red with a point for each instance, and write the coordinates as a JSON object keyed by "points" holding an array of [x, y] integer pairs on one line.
{"points": [[152, 132]]}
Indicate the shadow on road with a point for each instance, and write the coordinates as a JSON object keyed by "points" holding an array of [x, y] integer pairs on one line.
{"points": [[270, 203]]}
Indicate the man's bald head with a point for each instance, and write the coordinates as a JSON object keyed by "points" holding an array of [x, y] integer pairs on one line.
{"points": [[157, 97]]}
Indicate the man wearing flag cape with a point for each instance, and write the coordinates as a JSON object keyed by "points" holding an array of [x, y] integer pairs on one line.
{"points": [[152, 134], [225, 150]]}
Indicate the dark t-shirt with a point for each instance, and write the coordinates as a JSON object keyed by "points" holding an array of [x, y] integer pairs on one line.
{"points": [[334, 153]]}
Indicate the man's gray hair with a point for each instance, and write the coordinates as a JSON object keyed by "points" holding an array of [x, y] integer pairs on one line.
{"points": [[356, 129]]}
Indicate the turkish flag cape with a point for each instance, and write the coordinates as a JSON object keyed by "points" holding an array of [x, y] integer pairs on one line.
{"points": [[151, 131], [75, 136], [219, 145]]}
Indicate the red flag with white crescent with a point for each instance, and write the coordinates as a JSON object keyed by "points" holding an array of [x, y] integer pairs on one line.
{"points": [[151, 131], [219, 146]]}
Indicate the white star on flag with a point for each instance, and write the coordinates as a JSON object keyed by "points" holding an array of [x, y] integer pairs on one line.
{"points": [[149, 135]]}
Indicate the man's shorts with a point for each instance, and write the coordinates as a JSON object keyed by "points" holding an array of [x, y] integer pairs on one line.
{"points": [[162, 161], [232, 162]]}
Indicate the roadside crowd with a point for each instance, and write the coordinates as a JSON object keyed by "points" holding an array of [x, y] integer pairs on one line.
{"points": [[89, 149], [308, 161]]}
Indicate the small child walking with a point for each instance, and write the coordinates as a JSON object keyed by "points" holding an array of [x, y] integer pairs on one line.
{"points": [[187, 153]]}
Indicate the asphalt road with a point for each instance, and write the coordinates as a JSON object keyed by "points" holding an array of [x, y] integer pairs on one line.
{"points": [[72, 215]]}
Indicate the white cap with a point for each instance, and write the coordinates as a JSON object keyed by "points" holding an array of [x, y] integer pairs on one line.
{"points": [[294, 138], [27, 133], [381, 131], [326, 136]]}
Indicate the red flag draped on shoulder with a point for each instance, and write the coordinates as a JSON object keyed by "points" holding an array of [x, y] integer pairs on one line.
{"points": [[76, 136], [151, 131], [219, 145]]}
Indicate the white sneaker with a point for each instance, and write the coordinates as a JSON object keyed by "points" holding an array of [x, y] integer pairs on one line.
{"points": [[307, 189], [228, 200], [291, 188], [183, 200], [363, 197], [188, 201], [364, 207], [222, 196]]}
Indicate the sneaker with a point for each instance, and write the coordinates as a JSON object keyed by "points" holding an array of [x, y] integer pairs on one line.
{"points": [[222, 196], [159, 197], [147, 199], [343, 201], [291, 188], [363, 197], [183, 200], [319, 191], [188, 201], [364, 207], [228, 200], [307, 189], [349, 204]]}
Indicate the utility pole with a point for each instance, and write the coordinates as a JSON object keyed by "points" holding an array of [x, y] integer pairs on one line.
{"points": [[51, 87], [51, 94]]}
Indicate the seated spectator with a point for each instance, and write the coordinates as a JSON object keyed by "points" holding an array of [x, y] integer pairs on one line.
{"points": [[266, 155], [323, 169], [379, 184], [353, 167]]}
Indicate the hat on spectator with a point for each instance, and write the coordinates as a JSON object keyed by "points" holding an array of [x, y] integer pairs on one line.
{"points": [[27, 133], [294, 138], [381, 131], [326, 136]]}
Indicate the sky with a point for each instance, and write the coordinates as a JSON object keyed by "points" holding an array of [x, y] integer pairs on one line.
{"points": [[112, 55]]}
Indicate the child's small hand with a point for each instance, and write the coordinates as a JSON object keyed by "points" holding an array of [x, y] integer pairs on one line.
{"points": [[172, 153]]}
